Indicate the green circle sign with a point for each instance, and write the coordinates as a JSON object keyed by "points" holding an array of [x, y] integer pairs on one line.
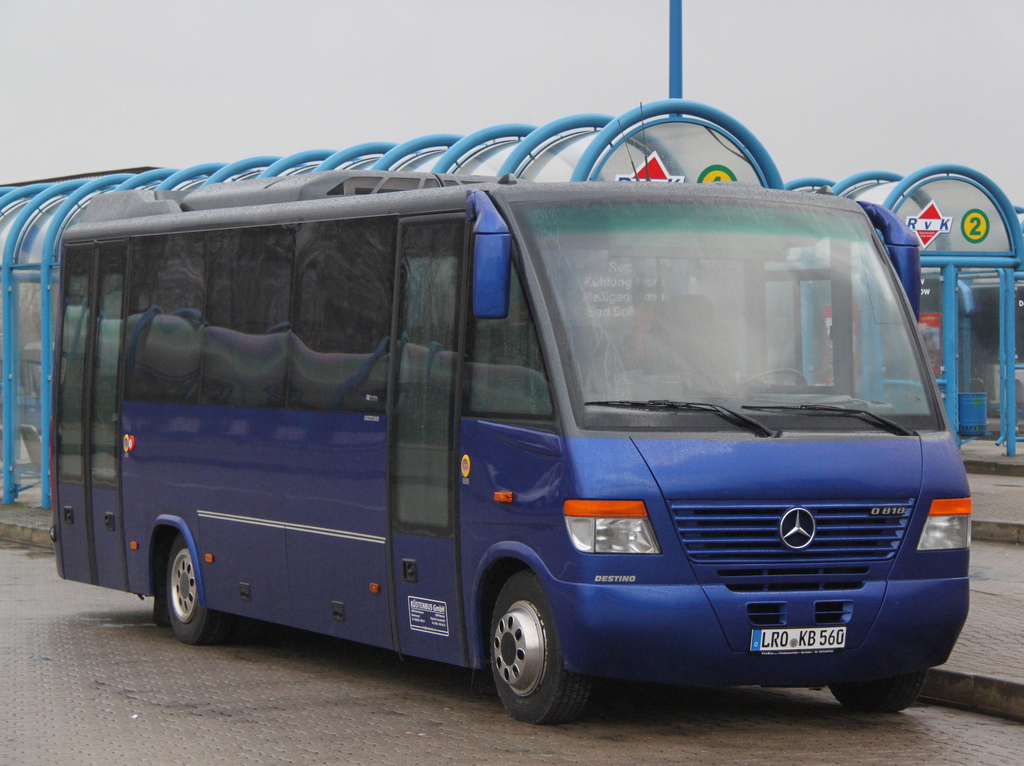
{"points": [[716, 173], [975, 225]]}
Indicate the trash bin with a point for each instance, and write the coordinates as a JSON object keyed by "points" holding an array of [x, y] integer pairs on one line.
{"points": [[973, 414]]}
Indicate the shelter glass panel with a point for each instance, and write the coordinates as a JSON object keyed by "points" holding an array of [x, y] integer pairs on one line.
{"points": [[683, 151], [968, 219], [557, 160]]}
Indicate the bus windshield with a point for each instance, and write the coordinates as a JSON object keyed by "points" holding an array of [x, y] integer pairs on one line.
{"points": [[779, 313]]}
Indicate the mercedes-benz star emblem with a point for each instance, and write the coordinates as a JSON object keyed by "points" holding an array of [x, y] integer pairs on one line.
{"points": [[797, 528]]}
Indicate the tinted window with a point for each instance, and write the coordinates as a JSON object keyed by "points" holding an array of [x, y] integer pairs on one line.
{"points": [[341, 321], [505, 373], [424, 394], [163, 330], [105, 434], [245, 340], [74, 341]]}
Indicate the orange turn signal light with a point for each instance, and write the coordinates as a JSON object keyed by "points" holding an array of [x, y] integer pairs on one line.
{"points": [[633, 509], [957, 506], [209, 558]]}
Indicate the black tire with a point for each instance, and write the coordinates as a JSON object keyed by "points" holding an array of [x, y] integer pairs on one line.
{"points": [[191, 622], [886, 695], [526, 659], [160, 615]]}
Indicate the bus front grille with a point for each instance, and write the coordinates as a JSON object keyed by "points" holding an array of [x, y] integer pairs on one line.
{"points": [[749, 532]]}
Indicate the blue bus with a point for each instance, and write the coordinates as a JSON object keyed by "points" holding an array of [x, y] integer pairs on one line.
{"points": [[656, 432]]}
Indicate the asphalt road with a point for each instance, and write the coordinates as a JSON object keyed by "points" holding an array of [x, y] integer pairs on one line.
{"points": [[86, 678]]}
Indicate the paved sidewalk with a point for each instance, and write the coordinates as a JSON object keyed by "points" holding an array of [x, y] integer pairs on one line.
{"points": [[985, 672]]}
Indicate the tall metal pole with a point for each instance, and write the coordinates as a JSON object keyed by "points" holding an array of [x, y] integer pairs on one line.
{"points": [[675, 48]]}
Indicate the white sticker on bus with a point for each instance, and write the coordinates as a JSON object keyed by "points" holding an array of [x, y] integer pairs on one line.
{"points": [[428, 616]]}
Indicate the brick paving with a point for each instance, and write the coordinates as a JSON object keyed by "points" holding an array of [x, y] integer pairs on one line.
{"points": [[89, 680]]}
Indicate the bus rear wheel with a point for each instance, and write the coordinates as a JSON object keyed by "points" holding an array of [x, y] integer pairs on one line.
{"points": [[526, 659], [884, 695], [191, 622]]}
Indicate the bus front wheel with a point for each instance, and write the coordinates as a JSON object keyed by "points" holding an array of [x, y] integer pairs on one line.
{"points": [[191, 622], [526, 659], [884, 695]]}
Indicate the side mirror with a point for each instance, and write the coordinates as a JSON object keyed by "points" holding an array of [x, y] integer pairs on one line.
{"points": [[492, 256], [901, 244]]}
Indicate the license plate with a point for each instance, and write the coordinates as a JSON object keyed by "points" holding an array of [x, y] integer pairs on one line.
{"points": [[801, 640]]}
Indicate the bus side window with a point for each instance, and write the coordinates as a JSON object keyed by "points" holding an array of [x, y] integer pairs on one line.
{"points": [[163, 332], [505, 373], [245, 345], [78, 265], [341, 318]]}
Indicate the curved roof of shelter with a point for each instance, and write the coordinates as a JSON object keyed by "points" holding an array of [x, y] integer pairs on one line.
{"points": [[954, 189], [808, 183], [869, 185], [689, 141], [551, 152], [417, 153], [581, 146], [483, 152]]}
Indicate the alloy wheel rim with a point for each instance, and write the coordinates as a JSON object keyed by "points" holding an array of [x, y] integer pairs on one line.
{"points": [[183, 586], [520, 647]]}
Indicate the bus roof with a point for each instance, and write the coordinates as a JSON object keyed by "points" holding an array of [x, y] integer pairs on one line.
{"points": [[347, 193]]}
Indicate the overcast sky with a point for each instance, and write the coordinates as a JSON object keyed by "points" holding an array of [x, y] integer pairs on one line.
{"points": [[830, 88]]}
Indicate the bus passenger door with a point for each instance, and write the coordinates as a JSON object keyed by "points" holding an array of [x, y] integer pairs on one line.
{"points": [[423, 513], [88, 476]]}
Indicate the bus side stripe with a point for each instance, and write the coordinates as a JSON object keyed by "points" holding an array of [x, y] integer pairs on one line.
{"points": [[293, 527]]}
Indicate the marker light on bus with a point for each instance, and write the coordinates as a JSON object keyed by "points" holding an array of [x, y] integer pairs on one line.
{"points": [[610, 526], [948, 526]]}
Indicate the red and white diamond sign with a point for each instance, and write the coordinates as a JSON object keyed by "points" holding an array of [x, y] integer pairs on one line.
{"points": [[653, 169], [929, 223]]}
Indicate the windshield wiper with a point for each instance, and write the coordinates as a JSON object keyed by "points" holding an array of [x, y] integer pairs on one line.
{"points": [[889, 425], [734, 417]]}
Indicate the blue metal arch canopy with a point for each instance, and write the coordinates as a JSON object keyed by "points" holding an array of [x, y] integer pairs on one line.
{"points": [[470, 147], [38, 201], [699, 142], [240, 169], [150, 178], [859, 184], [810, 183], [300, 162], [357, 156], [190, 176], [963, 191], [412, 154], [43, 199], [547, 137], [20, 193]]}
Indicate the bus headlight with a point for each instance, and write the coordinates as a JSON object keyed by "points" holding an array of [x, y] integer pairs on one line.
{"points": [[610, 526], [948, 526]]}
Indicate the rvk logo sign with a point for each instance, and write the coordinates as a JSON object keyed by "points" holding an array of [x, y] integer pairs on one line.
{"points": [[652, 170], [929, 224]]}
